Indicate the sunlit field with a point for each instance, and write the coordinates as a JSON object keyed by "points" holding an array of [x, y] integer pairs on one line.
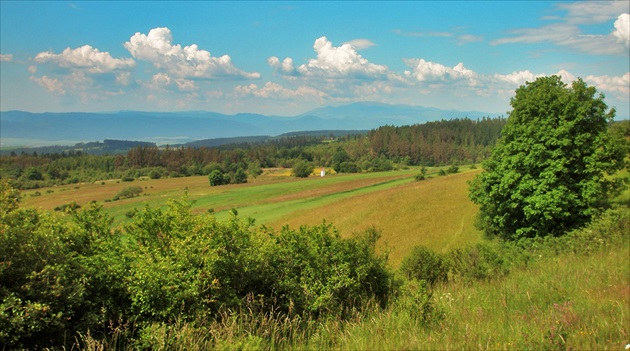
{"points": [[435, 212]]}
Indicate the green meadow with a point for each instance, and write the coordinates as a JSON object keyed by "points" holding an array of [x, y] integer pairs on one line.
{"points": [[435, 212]]}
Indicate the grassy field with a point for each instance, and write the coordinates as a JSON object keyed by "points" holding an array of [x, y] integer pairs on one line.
{"points": [[435, 212], [567, 302]]}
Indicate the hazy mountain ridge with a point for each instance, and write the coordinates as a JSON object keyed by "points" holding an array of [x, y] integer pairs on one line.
{"points": [[22, 128]]}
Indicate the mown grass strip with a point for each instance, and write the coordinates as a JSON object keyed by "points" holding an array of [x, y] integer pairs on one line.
{"points": [[270, 211]]}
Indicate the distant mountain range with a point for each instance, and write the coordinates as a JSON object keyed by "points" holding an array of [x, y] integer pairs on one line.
{"points": [[26, 128]]}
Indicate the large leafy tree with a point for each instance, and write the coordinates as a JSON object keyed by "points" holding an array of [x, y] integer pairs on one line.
{"points": [[548, 173]]}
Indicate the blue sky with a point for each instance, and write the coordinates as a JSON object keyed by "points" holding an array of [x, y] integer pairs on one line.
{"points": [[285, 58]]}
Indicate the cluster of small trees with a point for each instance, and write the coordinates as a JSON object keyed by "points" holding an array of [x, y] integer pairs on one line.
{"points": [[218, 177], [59, 278]]}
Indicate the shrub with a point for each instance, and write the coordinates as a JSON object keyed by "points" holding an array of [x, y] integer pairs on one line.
{"points": [[129, 192], [127, 178], [422, 175], [155, 174], [315, 271], [349, 167], [302, 169], [68, 207], [424, 264], [240, 176], [33, 173], [416, 299], [216, 178], [452, 169], [170, 265], [51, 288], [254, 169], [481, 261]]}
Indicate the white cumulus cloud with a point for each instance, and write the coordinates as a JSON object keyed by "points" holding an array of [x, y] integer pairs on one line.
{"points": [[617, 85], [6, 57], [86, 57], [339, 62], [286, 66], [51, 84], [517, 78], [360, 44], [622, 29], [87, 73], [164, 81], [184, 62], [427, 71]]}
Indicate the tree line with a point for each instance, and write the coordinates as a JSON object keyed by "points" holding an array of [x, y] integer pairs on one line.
{"points": [[440, 142], [435, 143]]}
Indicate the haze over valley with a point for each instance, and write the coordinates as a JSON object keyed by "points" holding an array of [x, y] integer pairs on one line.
{"points": [[19, 128]]}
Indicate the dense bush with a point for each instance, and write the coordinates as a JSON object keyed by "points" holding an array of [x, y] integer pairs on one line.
{"points": [[129, 192], [52, 275], [155, 174], [422, 175], [348, 167], [59, 278], [314, 271], [453, 169], [424, 264], [216, 178], [302, 169], [481, 261], [240, 176], [68, 207], [127, 178]]}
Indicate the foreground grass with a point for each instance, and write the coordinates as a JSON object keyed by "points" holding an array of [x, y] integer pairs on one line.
{"points": [[570, 302]]}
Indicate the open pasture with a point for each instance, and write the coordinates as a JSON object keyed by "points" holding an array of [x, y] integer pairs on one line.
{"points": [[435, 212]]}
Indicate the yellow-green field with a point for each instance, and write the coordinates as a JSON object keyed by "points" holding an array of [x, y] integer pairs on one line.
{"points": [[435, 212]]}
